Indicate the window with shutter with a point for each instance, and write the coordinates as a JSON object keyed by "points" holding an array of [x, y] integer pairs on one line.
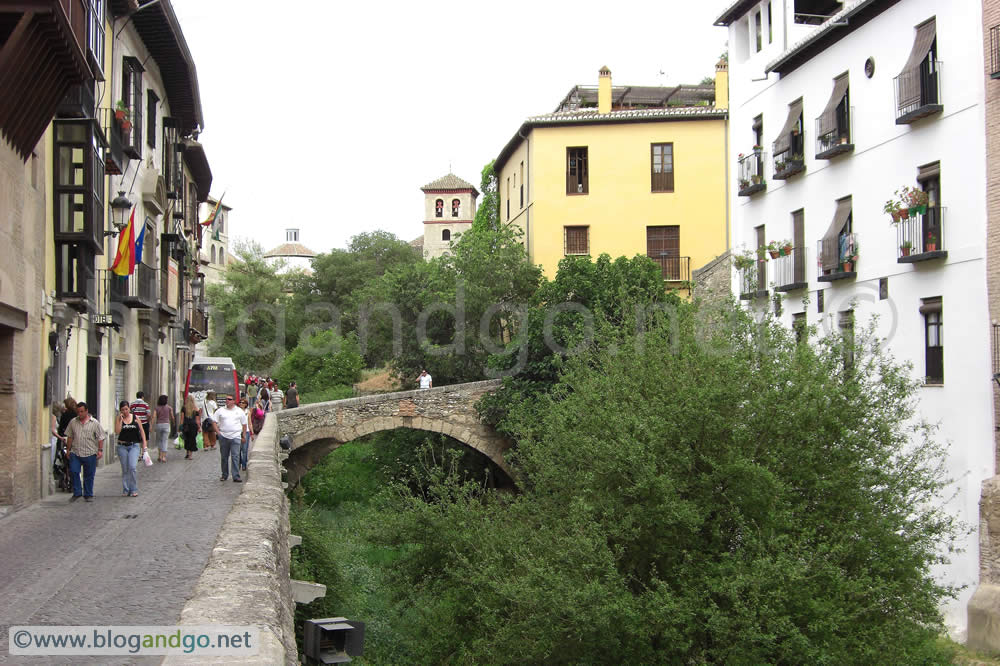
{"points": [[663, 245], [576, 171], [662, 167], [576, 240]]}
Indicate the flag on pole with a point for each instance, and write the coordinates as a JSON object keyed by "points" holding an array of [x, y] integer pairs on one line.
{"points": [[138, 244], [125, 259], [215, 212]]}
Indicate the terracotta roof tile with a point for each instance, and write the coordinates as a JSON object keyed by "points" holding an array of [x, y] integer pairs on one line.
{"points": [[449, 182], [290, 250]]}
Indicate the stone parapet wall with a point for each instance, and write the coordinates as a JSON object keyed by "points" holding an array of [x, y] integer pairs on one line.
{"points": [[246, 581], [317, 429]]}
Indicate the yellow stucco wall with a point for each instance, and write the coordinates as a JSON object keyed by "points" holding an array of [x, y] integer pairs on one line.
{"points": [[620, 205]]}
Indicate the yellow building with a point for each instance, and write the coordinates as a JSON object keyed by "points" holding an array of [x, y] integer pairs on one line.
{"points": [[622, 170]]}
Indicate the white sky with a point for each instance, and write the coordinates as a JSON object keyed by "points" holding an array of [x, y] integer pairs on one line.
{"points": [[329, 116]]}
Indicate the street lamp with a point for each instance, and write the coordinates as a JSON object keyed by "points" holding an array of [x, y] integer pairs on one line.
{"points": [[120, 206], [197, 285]]}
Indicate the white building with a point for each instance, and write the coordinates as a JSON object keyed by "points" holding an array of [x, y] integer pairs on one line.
{"points": [[849, 102], [215, 241], [293, 254], [449, 210]]}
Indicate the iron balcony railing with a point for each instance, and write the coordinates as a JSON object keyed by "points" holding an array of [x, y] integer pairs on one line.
{"points": [[789, 271], [995, 52], [674, 269], [752, 281], [115, 160], [751, 173], [921, 237], [918, 92], [789, 162], [142, 290], [112, 311], [846, 254], [839, 140], [78, 101]]}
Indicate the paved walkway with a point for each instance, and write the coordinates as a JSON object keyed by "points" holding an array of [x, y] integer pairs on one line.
{"points": [[116, 560]]}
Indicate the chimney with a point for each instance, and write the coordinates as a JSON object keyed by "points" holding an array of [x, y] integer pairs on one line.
{"points": [[604, 90], [722, 84]]}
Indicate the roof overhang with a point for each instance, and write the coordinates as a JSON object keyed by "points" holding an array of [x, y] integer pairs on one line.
{"points": [[197, 161], [160, 31], [834, 29], [736, 10]]}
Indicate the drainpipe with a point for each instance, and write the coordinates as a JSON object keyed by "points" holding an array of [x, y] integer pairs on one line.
{"points": [[527, 194], [725, 173]]}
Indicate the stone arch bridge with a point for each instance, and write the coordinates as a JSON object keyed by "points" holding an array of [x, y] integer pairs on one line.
{"points": [[317, 429]]}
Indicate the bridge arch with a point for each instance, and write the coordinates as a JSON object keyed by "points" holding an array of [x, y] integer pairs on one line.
{"points": [[318, 429]]}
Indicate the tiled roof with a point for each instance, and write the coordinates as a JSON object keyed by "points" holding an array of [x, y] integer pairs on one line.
{"points": [[449, 182], [417, 243], [592, 115], [290, 250], [631, 97]]}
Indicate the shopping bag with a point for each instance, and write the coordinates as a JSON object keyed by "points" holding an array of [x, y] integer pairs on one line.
{"points": [[201, 444], [179, 443], [146, 460]]}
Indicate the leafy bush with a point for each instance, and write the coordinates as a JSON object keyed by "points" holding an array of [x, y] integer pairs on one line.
{"points": [[322, 361], [712, 492]]}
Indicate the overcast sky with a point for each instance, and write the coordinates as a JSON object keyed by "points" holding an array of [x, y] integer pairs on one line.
{"points": [[330, 116]]}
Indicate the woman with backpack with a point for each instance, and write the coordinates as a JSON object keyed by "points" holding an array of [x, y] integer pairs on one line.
{"points": [[208, 433], [190, 426]]}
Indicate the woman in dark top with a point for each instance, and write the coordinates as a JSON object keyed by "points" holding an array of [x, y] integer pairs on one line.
{"points": [[66, 417], [190, 426], [130, 435]]}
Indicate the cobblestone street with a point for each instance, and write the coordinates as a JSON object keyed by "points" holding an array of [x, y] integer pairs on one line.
{"points": [[116, 560]]}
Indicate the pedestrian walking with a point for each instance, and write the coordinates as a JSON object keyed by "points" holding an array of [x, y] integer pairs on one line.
{"points": [[85, 445], [426, 381], [291, 398], [140, 409], [252, 394], [190, 426], [55, 439], [68, 415], [230, 423], [163, 423], [208, 434], [130, 436], [245, 440]]}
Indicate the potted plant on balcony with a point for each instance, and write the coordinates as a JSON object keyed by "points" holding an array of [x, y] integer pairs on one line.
{"points": [[757, 149], [756, 179], [892, 208], [779, 166], [916, 201], [786, 247], [122, 115], [905, 248], [850, 257], [931, 243], [774, 249], [744, 183], [744, 260]]}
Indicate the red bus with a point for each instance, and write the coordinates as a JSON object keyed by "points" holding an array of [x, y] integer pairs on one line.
{"points": [[213, 373]]}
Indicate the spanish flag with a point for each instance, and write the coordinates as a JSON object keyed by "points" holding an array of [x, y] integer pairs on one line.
{"points": [[125, 259], [215, 212]]}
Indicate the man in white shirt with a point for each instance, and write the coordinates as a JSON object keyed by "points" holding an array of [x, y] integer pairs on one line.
{"points": [[230, 424], [425, 380]]}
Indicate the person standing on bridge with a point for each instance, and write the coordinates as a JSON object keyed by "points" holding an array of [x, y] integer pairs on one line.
{"points": [[426, 381], [291, 398], [231, 424]]}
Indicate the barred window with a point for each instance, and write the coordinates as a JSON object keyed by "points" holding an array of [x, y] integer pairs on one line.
{"points": [[577, 240]]}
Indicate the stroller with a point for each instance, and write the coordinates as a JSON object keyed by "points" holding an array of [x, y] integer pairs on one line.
{"points": [[60, 470]]}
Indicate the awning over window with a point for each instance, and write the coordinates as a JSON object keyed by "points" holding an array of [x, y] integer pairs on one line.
{"points": [[926, 33], [928, 171], [828, 119], [831, 240], [784, 140], [909, 78], [930, 305]]}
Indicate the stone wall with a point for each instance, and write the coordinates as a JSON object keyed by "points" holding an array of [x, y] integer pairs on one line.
{"points": [[246, 581], [318, 429], [713, 281]]}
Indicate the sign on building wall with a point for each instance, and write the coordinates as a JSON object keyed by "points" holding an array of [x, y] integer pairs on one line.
{"points": [[173, 282]]}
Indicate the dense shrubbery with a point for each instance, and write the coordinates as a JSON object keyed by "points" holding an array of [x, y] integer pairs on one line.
{"points": [[715, 494]]}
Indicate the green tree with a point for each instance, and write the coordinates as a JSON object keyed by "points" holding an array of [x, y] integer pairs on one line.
{"points": [[320, 362], [248, 310], [710, 491]]}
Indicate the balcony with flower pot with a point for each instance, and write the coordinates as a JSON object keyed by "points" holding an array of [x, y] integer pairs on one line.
{"points": [[789, 270], [790, 160], [920, 237], [751, 173], [751, 274], [838, 258], [836, 137]]}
